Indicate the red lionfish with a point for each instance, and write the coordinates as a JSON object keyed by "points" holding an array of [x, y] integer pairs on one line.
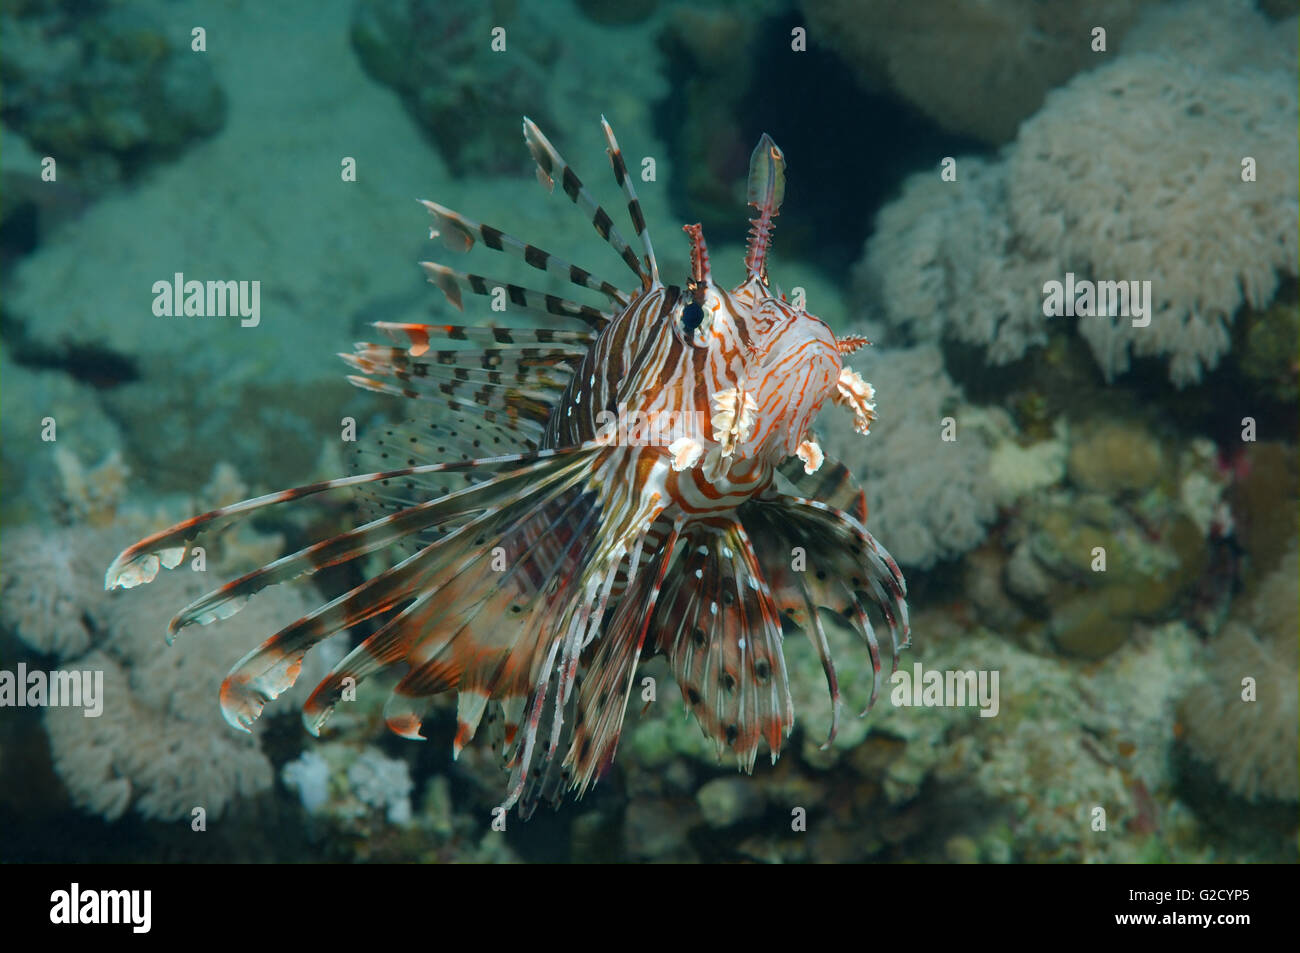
{"points": [[607, 542]]}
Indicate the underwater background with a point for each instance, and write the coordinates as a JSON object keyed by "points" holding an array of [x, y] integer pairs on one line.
{"points": [[946, 159]]}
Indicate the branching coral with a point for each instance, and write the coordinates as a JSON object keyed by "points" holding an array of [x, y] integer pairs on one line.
{"points": [[1133, 171], [928, 498], [160, 746], [1162, 198]]}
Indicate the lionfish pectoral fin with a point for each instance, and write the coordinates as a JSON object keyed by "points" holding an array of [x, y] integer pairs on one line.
{"points": [[846, 570], [471, 602], [602, 698], [720, 628]]}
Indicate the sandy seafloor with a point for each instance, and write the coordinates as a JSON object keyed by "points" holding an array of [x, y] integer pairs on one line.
{"points": [[1146, 707]]}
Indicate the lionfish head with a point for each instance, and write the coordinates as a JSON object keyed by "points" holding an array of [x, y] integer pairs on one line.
{"points": [[772, 364]]}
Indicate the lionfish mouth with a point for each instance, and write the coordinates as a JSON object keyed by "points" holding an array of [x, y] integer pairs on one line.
{"points": [[549, 559]]}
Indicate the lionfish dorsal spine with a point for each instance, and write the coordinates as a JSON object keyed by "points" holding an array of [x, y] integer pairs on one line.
{"points": [[633, 203], [551, 164]]}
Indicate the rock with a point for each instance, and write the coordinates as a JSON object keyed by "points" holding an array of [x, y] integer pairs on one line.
{"points": [[1115, 457], [727, 801]]}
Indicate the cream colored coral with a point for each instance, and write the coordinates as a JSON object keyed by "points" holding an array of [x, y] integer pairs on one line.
{"points": [[1252, 743], [91, 496]]}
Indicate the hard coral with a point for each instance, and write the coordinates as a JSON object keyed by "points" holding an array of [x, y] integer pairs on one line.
{"points": [[102, 87]]}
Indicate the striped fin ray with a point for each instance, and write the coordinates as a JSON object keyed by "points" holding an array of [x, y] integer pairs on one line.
{"points": [[602, 698], [612, 555], [393, 643], [845, 565], [459, 233], [225, 601], [426, 380], [797, 602], [832, 483], [415, 441], [453, 284], [514, 381], [457, 634], [633, 203], [551, 165], [518, 385], [140, 562], [492, 641], [518, 405], [719, 627], [547, 776]]}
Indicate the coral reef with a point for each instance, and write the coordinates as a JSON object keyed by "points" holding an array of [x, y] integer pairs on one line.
{"points": [[162, 763], [28, 464], [438, 60], [945, 261], [160, 746], [1270, 357], [364, 806], [941, 783], [971, 257], [1115, 457], [1008, 53], [351, 783], [42, 588], [1121, 530], [928, 498], [102, 87], [1207, 241], [1251, 739]]}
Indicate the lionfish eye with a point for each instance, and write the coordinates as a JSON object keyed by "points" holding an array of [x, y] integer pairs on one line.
{"points": [[692, 315]]}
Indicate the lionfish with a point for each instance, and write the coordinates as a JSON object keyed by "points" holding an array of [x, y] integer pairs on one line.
{"points": [[539, 578]]}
